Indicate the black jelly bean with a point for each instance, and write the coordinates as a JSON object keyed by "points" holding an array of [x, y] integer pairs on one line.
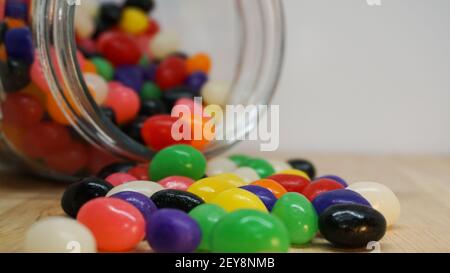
{"points": [[176, 199], [14, 75], [81, 192], [133, 129], [110, 14], [352, 225], [145, 5], [303, 165], [153, 107], [121, 167], [171, 96]]}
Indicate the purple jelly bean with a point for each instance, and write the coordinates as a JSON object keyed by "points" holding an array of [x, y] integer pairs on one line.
{"points": [[144, 204], [19, 44], [266, 196], [17, 9], [196, 81], [335, 178], [149, 72], [173, 231], [338, 197], [131, 76]]}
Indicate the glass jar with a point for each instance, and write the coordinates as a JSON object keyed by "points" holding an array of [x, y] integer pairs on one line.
{"points": [[245, 39]]}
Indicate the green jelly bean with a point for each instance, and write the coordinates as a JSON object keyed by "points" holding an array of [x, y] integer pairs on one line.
{"points": [[178, 160], [240, 160], [104, 68], [249, 231], [150, 91], [261, 166], [299, 217], [207, 216], [144, 61]]}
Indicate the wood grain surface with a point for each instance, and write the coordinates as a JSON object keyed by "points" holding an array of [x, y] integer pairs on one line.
{"points": [[422, 184]]}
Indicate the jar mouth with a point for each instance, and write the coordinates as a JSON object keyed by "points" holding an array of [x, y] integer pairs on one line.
{"points": [[261, 46]]}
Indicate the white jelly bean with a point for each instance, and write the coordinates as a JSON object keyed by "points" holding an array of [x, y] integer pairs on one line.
{"points": [[59, 235], [147, 188], [248, 174], [164, 43], [84, 24], [279, 165], [98, 87], [221, 165], [91, 7], [216, 92]]}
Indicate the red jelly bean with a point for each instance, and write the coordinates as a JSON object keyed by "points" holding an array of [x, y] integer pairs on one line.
{"points": [[117, 179], [320, 186], [70, 160], [124, 101], [22, 110], [140, 172], [157, 132], [171, 72], [153, 28], [292, 183], [119, 48], [116, 225], [176, 183], [45, 138]]}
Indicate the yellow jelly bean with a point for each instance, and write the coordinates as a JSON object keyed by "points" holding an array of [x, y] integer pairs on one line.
{"points": [[233, 179], [134, 21], [208, 188], [296, 172], [236, 199]]}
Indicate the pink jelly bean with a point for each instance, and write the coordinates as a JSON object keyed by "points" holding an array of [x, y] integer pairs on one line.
{"points": [[176, 183], [191, 104], [117, 179], [124, 101], [37, 75]]}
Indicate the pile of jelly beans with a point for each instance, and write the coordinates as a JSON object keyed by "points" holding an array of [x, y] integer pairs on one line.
{"points": [[135, 72], [180, 202]]}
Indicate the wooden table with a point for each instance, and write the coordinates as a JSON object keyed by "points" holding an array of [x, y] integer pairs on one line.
{"points": [[422, 184]]}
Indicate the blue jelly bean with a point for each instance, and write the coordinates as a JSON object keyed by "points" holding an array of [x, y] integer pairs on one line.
{"points": [[338, 197], [173, 231], [19, 44], [17, 9], [131, 76], [196, 81], [144, 204], [335, 178], [266, 196]]}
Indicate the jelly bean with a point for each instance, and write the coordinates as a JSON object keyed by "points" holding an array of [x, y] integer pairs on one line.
{"points": [[296, 172], [119, 48], [149, 71], [261, 166], [163, 44], [239, 160], [104, 68], [299, 217], [45, 138], [157, 132], [89, 67], [335, 178], [117, 179], [266, 196], [320, 186], [79, 193], [145, 5], [179, 160], [152, 107], [144, 204], [59, 235], [99, 159], [207, 216], [176, 199], [37, 76], [173, 231], [117, 225], [15, 23], [150, 91], [176, 183], [59, 113], [220, 165], [140, 172], [236, 199], [133, 129], [120, 167], [171, 73], [90, 7], [247, 174], [153, 28], [381, 198], [133, 21], [14, 75], [3, 30], [216, 92], [84, 24], [272, 186], [19, 45], [208, 188], [124, 101], [16, 9], [196, 81], [278, 165], [173, 95], [110, 13], [98, 86], [249, 231], [303, 165], [351, 225], [70, 160], [146, 188], [292, 183], [337, 197], [199, 62], [21, 110], [232, 179], [130, 75]]}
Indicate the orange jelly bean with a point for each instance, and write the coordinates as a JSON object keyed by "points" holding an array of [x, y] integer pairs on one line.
{"points": [[89, 67], [272, 186], [15, 23], [117, 225], [199, 62]]}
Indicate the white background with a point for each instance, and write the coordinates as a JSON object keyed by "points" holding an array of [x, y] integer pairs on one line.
{"points": [[365, 79]]}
